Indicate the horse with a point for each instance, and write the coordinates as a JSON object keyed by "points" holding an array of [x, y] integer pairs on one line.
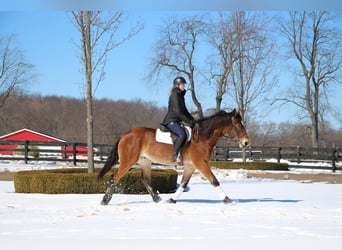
{"points": [[138, 146]]}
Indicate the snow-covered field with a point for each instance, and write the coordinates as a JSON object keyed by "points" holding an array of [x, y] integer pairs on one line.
{"points": [[266, 214]]}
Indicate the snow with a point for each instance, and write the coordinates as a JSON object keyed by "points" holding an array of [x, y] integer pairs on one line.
{"points": [[265, 214]]}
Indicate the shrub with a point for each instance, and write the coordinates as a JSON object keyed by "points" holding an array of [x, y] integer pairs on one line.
{"points": [[249, 165], [77, 180]]}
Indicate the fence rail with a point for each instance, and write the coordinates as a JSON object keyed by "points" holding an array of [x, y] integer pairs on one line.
{"points": [[51, 151], [292, 154], [77, 152]]}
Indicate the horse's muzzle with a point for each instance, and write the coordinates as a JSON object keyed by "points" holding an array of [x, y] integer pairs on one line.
{"points": [[244, 141]]}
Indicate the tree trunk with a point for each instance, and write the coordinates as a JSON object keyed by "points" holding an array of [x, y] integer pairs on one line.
{"points": [[218, 102], [88, 69], [97, 32], [194, 97], [315, 131]]}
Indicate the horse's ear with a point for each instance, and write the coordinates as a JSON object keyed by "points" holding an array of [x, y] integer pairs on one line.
{"points": [[238, 112], [234, 112]]}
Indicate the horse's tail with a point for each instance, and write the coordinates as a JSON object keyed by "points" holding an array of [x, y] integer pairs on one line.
{"points": [[112, 159]]}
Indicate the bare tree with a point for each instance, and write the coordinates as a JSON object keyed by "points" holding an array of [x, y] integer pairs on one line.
{"points": [[316, 45], [175, 51], [98, 36], [15, 72], [222, 37], [251, 77]]}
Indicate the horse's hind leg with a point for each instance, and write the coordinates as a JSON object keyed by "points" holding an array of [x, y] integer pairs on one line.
{"points": [[109, 191], [145, 165], [114, 179]]}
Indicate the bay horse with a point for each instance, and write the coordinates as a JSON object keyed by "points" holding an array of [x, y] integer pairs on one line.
{"points": [[138, 146]]}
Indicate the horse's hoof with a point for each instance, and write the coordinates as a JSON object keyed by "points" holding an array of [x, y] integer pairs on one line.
{"points": [[227, 200], [171, 201], [104, 202], [157, 199], [106, 199]]}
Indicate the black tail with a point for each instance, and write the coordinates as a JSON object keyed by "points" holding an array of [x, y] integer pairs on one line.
{"points": [[112, 159]]}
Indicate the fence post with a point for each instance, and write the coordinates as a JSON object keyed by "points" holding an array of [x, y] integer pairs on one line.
{"points": [[26, 149], [214, 153], [74, 153], [250, 153], [226, 154], [279, 155], [298, 154], [64, 153], [101, 150], [334, 157]]}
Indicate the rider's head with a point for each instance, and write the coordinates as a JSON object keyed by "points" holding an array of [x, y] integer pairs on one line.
{"points": [[179, 82]]}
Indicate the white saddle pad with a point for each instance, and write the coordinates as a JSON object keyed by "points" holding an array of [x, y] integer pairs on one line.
{"points": [[165, 137]]}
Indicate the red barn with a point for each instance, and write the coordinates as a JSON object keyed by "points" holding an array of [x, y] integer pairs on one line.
{"points": [[30, 135], [25, 135]]}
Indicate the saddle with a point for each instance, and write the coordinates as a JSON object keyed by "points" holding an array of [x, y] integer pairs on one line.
{"points": [[164, 135]]}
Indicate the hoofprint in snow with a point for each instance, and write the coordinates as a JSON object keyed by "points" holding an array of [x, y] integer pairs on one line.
{"points": [[266, 214]]}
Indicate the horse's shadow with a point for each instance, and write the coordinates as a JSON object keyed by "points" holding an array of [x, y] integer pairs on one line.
{"points": [[234, 201], [205, 201]]}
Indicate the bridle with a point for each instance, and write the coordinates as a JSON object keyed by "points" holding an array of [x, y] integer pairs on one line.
{"points": [[236, 130]]}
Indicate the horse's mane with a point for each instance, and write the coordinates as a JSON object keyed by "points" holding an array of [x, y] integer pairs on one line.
{"points": [[207, 125]]}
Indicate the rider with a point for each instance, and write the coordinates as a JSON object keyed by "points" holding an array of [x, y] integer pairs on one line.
{"points": [[177, 112]]}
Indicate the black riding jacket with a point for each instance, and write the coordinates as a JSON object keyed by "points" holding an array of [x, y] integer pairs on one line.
{"points": [[177, 110]]}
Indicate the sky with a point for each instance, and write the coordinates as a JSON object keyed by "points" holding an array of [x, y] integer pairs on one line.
{"points": [[48, 38]]}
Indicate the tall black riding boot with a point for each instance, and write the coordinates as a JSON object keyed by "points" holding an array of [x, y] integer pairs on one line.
{"points": [[177, 146]]}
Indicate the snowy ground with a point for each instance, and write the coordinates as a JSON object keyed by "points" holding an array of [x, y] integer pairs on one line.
{"points": [[266, 214]]}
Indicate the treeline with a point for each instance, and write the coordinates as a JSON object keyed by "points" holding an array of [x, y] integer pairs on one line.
{"points": [[65, 118], [293, 134]]}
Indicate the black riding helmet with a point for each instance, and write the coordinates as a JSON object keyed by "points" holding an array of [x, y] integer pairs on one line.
{"points": [[179, 80]]}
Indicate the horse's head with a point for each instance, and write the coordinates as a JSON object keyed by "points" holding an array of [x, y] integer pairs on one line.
{"points": [[223, 123], [237, 130]]}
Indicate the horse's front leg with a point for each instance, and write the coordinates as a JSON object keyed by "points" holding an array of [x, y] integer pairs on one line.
{"points": [[188, 171], [207, 173], [220, 190]]}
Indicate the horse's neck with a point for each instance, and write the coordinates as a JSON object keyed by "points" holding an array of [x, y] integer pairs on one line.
{"points": [[213, 139]]}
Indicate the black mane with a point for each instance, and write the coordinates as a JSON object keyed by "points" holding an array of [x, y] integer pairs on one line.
{"points": [[207, 125]]}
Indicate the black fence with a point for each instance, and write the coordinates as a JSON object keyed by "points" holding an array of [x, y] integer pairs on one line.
{"points": [[77, 152], [294, 155], [51, 151]]}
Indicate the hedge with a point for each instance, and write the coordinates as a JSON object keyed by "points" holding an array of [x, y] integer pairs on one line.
{"points": [[249, 165], [78, 181]]}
